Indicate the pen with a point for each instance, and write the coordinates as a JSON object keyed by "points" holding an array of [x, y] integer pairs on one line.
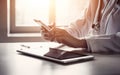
{"points": [[25, 46], [31, 47]]}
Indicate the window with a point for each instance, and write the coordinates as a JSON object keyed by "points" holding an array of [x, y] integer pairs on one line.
{"points": [[22, 12]]}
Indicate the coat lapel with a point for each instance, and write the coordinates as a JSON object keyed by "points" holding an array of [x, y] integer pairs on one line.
{"points": [[107, 11]]}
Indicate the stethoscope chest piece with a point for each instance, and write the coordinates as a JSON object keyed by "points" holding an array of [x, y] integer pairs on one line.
{"points": [[96, 26]]}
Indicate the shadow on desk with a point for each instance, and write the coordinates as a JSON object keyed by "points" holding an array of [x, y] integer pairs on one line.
{"points": [[3, 67]]}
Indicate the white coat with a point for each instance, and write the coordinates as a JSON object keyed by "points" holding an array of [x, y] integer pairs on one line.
{"points": [[105, 37]]}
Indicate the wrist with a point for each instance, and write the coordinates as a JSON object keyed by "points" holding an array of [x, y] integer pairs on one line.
{"points": [[83, 43]]}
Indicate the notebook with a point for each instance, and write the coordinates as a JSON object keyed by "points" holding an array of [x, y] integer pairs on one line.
{"points": [[60, 54]]}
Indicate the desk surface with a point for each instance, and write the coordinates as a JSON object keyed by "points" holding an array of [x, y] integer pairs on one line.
{"points": [[11, 63]]}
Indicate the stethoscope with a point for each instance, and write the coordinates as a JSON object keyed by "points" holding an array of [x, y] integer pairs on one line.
{"points": [[96, 22]]}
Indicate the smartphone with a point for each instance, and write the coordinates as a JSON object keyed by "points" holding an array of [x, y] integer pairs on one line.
{"points": [[42, 24]]}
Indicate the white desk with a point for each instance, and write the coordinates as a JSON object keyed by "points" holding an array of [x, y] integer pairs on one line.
{"points": [[11, 63]]}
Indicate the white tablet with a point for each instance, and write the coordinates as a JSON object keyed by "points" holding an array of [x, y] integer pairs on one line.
{"points": [[59, 54]]}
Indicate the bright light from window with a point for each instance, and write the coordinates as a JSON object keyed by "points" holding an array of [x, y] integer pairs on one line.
{"points": [[67, 11], [27, 10]]}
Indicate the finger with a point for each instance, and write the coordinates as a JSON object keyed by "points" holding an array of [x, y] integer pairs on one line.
{"points": [[46, 35], [43, 33], [44, 29], [52, 31], [52, 25], [46, 38], [49, 38]]}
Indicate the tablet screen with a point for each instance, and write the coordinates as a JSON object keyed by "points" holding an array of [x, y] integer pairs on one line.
{"points": [[61, 54]]}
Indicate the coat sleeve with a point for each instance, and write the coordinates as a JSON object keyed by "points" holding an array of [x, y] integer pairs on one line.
{"points": [[80, 28], [104, 43]]}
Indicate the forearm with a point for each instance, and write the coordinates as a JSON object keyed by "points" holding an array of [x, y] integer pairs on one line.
{"points": [[78, 43]]}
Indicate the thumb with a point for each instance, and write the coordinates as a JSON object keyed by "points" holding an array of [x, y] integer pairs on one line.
{"points": [[53, 24]]}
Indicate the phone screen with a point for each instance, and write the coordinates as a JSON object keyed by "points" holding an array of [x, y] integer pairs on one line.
{"points": [[42, 24]]}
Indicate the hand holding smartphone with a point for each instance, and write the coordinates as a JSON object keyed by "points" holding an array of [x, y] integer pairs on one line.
{"points": [[48, 29], [43, 25]]}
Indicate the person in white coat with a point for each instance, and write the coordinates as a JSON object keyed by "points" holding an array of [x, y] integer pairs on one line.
{"points": [[98, 31]]}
